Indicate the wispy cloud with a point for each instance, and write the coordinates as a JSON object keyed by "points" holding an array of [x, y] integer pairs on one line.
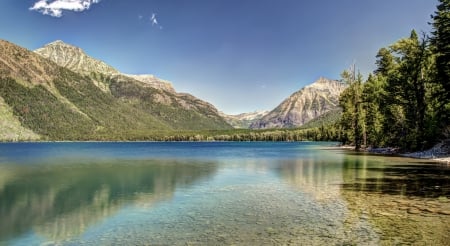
{"points": [[55, 8], [154, 21]]}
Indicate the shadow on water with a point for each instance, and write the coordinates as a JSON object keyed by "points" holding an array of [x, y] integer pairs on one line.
{"points": [[420, 179], [59, 202]]}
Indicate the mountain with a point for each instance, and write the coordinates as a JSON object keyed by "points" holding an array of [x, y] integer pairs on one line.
{"points": [[329, 118], [146, 92], [41, 100], [243, 120], [74, 58], [10, 127], [304, 105], [153, 81]]}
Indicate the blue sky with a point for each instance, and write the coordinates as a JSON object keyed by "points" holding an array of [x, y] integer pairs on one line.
{"points": [[240, 55]]}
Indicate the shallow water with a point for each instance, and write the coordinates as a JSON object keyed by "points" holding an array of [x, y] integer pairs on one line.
{"points": [[218, 194]]}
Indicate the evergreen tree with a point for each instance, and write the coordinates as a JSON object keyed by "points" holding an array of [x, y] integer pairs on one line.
{"points": [[373, 92], [406, 90], [385, 62], [352, 121], [441, 48]]}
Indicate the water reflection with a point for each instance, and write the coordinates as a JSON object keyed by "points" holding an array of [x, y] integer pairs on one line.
{"points": [[61, 201], [388, 200], [407, 201], [318, 178], [386, 175]]}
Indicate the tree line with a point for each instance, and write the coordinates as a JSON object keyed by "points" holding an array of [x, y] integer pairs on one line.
{"points": [[405, 103]]}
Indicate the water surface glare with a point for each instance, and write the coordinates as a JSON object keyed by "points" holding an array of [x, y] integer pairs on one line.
{"points": [[218, 193]]}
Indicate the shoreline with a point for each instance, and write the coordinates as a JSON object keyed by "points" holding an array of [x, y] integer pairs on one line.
{"points": [[439, 153]]}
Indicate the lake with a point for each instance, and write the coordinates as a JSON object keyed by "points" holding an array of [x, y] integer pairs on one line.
{"points": [[218, 193]]}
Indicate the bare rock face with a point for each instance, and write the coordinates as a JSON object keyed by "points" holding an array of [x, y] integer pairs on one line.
{"points": [[28, 67], [74, 58], [153, 81], [304, 105]]}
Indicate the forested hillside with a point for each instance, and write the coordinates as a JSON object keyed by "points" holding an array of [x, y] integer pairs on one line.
{"points": [[45, 101]]}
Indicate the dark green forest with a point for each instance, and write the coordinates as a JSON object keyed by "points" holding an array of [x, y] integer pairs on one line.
{"points": [[405, 103]]}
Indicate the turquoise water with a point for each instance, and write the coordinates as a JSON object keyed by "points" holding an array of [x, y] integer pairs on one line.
{"points": [[217, 193]]}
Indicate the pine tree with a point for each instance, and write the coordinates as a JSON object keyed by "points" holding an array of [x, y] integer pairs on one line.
{"points": [[405, 99], [373, 91], [440, 41], [352, 120]]}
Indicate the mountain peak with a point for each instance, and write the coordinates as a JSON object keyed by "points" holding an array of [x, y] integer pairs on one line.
{"points": [[324, 83], [60, 43], [57, 42], [74, 58], [304, 105]]}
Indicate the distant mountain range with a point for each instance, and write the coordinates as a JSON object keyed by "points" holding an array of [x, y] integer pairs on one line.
{"points": [[58, 92]]}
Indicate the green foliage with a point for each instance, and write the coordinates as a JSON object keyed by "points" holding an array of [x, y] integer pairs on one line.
{"points": [[107, 112], [352, 120], [406, 103], [39, 110], [405, 95], [440, 41], [73, 108], [170, 110], [323, 133], [327, 119], [373, 105]]}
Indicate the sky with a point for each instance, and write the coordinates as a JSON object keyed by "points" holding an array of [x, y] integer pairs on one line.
{"points": [[239, 55]]}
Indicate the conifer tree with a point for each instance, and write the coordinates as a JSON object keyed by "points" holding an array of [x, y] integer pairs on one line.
{"points": [[440, 41], [352, 121]]}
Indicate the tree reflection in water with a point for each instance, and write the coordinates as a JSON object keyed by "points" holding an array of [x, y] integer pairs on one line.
{"points": [[421, 179], [61, 201]]}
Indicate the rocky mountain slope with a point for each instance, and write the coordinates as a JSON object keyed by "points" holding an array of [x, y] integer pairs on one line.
{"points": [[153, 81], [304, 105], [47, 101], [74, 58], [147, 92], [244, 120]]}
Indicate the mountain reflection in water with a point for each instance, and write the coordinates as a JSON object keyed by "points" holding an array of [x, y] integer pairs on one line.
{"points": [[61, 202]]}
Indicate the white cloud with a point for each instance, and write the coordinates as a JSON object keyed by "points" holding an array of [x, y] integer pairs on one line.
{"points": [[55, 8], [154, 21]]}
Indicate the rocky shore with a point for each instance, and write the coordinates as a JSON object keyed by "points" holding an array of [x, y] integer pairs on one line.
{"points": [[439, 153]]}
